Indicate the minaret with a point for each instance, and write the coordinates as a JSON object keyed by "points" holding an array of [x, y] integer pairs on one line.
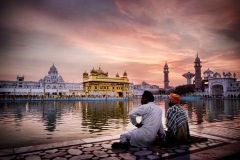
{"points": [[188, 76], [166, 80], [198, 78]]}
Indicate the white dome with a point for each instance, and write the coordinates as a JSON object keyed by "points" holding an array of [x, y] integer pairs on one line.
{"points": [[53, 68], [216, 75], [208, 74], [208, 71]]}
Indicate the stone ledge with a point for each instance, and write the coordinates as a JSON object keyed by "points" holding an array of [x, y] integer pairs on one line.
{"points": [[219, 152]]}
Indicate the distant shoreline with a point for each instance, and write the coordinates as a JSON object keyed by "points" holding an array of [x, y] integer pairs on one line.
{"points": [[65, 99]]}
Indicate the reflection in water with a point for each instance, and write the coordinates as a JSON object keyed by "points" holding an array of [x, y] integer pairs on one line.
{"points": [[101, 115], [196, 110], [30, 123], [209, 111]]}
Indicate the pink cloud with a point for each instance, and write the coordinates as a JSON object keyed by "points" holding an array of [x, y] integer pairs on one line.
{"points": [[138, 37]]}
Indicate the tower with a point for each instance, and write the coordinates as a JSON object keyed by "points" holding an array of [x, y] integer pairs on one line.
{"points": [[198, 78], [166, 80], [188, 76]]}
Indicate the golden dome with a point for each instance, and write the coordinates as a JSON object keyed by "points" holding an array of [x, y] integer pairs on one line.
{"points": [[85, 73], [125, 74]]}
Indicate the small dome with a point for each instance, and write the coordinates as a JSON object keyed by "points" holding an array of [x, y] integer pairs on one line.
{"points": [[101, 72], [165, 66], [93, 71], [117, 75], [53, 71], [216, 75], [208, 71], [197, 58], [125, 74], [53, 68], [85, 73], [208, 74], [228, 75]]}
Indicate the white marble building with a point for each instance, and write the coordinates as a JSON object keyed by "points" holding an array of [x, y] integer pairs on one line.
{"points": [[138, 89], [51, 84], [225, 85], [54, 84]]}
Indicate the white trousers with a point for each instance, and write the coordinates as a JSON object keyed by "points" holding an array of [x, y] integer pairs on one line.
{"points": [[127, 136]]}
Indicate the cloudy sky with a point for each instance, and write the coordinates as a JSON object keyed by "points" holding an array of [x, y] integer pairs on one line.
{"points": [[138, 36]]}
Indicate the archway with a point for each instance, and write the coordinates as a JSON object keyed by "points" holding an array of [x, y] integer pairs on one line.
{"points": [[120, 94], [217, 90]]}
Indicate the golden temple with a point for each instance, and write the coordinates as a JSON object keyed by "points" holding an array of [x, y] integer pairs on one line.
{"points": [[98, 84]]}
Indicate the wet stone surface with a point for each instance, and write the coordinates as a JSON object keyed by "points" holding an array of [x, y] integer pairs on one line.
{"points": [[74, 152], [104, 151]]}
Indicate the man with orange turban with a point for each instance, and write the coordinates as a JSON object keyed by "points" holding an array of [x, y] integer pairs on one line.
{"points": [[177, 120]]}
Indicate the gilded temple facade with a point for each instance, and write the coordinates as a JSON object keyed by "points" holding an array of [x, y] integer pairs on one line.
{"points": [[98, 84]]}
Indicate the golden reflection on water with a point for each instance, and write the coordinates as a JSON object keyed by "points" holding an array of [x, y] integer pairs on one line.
{"points": [[29, 123]]}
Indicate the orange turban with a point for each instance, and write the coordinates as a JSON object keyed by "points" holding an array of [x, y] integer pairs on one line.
{"points": [[175, 98]]}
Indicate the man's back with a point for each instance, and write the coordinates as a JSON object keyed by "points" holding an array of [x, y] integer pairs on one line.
{"points": [[177, 123], [151, 120], [176, 116]]}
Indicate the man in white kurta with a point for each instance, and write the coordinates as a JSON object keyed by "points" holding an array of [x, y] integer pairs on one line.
{"points": [[148, 128]]}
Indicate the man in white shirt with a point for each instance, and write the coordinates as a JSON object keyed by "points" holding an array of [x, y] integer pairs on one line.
{"points": [[147, 129]]}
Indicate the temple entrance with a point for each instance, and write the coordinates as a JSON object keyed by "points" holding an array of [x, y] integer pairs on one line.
{"points": [[120, 94], [217, 90]]}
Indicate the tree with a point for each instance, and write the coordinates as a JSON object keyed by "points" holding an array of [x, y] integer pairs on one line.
{"points": [[182, 90]]}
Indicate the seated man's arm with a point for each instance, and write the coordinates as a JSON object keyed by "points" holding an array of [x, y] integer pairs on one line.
{"points": [[139, 111], [161, 131]]}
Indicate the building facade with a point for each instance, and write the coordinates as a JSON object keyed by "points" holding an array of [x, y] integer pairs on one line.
{"points": [[217, 85], [138, 89], [51, 84], [98, 84], [213, 84]]}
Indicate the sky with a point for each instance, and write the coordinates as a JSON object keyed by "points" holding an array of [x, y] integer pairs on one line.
{"points": [[136, 36]]}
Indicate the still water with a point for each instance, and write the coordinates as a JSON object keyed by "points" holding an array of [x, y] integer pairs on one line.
{"points": [[31, 123]]}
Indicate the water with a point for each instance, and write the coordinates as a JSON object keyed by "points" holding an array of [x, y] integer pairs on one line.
{"points": [[31, 123]]}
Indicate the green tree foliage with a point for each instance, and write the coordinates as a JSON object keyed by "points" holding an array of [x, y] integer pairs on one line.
{"points": [[182, 90]]}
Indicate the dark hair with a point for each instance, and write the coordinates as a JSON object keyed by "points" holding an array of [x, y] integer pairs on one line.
{"points": [[148, 95]]}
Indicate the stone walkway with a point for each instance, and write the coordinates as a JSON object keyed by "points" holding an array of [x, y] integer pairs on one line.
{"points": [[223, 142]]}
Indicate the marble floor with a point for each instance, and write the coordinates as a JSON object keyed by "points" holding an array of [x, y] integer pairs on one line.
{"points": [[223, 142]]}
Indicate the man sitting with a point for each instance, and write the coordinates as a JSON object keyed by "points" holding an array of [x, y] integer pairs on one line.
{"points": [[177, 120], [146, 131]]}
